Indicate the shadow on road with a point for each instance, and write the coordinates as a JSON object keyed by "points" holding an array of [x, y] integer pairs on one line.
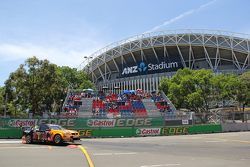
{"points": [[59, 145]]}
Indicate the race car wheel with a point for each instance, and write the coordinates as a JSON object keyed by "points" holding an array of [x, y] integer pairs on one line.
{"points": [[57, 139], [28, 139]]}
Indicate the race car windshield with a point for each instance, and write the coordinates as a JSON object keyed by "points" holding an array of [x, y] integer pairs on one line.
{"points": [[56, 127]]}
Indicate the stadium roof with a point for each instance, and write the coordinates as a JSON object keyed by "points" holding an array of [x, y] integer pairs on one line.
{"points": [[227, 46]]}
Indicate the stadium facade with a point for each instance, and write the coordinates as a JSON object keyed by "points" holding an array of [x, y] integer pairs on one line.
{"points": [[142, 61]]}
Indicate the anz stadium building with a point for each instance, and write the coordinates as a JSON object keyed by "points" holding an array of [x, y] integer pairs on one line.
{"points": [[140, 62]]}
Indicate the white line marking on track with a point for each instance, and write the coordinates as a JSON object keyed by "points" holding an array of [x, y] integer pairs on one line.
{"points": [[23, 147], [128, 153], [131, 153], [10, 142], [213, 141], [161, 165], [186, 138], [102, 154], [244, 159]]}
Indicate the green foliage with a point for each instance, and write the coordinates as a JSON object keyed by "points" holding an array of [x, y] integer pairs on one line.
{"points": [[195, 89], [164, 84], [39, 85], [245, 88], [77, 79], [2, 90], [189, 89]]}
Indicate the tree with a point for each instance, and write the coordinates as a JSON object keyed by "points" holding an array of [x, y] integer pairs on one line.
{"points": [[15, 91], [2, 100], [38, 85], [189, 89], [33, 86], [164, 85], [244, 79], [219, 91], [77, 79], [196, 89]]}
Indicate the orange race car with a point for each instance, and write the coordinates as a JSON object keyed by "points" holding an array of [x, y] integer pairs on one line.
{"points": [[49, 133]]}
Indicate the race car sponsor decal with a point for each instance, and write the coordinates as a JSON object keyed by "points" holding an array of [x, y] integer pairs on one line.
{"points": [[148, 131]]}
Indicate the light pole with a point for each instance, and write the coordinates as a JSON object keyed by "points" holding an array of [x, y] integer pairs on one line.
{"points": [[61, 105], [88, 58]]}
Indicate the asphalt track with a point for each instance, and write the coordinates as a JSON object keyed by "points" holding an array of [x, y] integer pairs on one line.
{"points": [[209, 150]]}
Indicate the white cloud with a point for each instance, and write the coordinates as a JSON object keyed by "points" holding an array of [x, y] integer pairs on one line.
{"points": [[60, 55], [246, 31], [185, 14]]}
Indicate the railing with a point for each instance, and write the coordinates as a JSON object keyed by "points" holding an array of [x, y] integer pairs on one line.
{"points": [[66, 99], [213, 117], [169, 101]]}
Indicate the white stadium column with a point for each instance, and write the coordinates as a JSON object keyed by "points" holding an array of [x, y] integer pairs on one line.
{"points": [[157, 83], [138, 82], [124, 85], [147, 84], [132, 84], [141, 84], [112, 87], [150, 84], [135, 87], [153, 83], [144, 84]]}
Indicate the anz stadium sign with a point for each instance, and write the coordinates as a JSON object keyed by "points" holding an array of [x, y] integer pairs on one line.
{"points": [[144, 68]]}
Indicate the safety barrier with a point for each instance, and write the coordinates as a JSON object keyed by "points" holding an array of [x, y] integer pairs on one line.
{"points": [[128, 131], [212, 128], [149, 131], [235, 126], [11, 128], [10, 133]]}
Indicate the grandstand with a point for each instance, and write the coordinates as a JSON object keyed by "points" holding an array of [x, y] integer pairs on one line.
{"points": [[127, 104]]}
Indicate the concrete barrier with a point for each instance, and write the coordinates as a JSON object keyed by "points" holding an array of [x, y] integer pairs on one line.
{"points": [[235, 127]]}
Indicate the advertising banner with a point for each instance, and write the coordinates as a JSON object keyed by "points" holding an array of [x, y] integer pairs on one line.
{"points": [[101, 123], [174, 131], [143, 68], [22, 122], [120, 122], [79, 123], [85, 133], [15, 123], [148, 131]]}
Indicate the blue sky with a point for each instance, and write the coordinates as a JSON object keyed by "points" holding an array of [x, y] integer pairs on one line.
{"points": [[64, 31]]}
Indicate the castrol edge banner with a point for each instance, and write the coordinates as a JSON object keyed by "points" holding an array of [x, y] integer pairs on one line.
{"points": [[148, 131]]}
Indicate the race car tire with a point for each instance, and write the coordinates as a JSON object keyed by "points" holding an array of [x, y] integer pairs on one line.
{"points": [[57, 139], [28, 139]]}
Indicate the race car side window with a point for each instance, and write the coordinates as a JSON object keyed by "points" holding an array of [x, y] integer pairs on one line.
{"points": [[43, 127]]}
